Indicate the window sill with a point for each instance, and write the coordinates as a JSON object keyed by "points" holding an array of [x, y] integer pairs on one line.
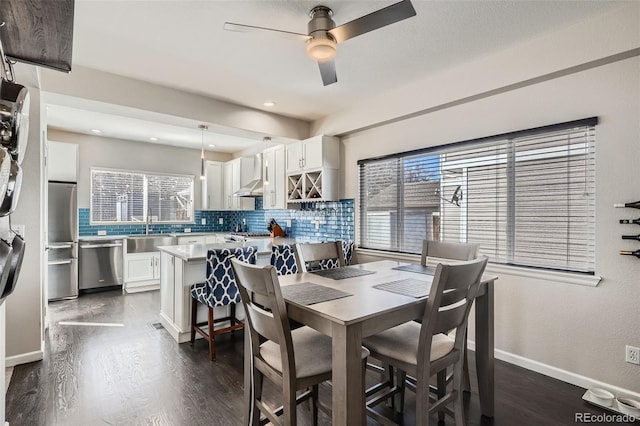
{"points": [[498, 269]]}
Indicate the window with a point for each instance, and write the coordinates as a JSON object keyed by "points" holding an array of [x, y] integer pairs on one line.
{"points": [[527, 197], [119, 196]]}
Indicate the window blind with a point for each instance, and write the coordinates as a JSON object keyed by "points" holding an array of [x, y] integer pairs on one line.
{"points": [[527, 198], [130, 197]]}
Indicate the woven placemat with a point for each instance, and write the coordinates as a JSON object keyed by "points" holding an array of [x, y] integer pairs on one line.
{"points": [[342, 273], [310, 293], [407, 287], [420, 269]]}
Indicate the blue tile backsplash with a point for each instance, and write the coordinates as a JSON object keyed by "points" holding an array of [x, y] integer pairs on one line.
{"points": [[335, 221]]}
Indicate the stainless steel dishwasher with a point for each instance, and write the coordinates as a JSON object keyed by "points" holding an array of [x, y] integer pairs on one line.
{"points": [[100, 264]]}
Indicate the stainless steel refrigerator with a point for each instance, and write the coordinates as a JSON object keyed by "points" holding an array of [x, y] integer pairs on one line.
{"points": [[63, 241]]}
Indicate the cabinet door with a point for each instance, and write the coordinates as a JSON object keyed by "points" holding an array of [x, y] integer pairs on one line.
{"points": [[228, 186], [214, 184], [294, 157], [167, 284], [237, 183], [156, 265], [246, 174], [279, 179], [312, 155], [139, 267]]}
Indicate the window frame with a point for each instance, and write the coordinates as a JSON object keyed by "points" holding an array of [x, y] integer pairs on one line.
{"points": [[145, 194], [437, 150]]}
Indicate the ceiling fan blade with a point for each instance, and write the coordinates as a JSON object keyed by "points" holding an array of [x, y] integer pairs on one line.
{"points": [[328, 72], [230, 26], [378, 19]]}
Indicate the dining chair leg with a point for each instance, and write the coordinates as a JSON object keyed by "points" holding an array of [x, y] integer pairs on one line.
{"points": [[257, 396], [212, 338], [442, 390], [388, 376], [458, 380], [314, 404], [466, 384], [289, 416], [194, 316], [399, 397]]}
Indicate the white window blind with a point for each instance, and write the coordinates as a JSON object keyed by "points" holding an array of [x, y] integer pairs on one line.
{"points": [[528, 197], [130, 197]]}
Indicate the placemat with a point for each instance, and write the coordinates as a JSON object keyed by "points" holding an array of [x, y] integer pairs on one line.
{"points": [[342, 273], [420, 269], [407, 287], [310, 293]]}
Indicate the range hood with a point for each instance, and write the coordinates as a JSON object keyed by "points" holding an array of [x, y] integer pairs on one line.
{"points": [[253, 188]]}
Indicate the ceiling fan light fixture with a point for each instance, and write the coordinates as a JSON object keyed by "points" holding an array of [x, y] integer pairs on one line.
{"points": [[321, 48]]}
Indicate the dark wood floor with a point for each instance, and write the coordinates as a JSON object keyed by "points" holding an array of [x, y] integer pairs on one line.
{"points": [[138, 375]]}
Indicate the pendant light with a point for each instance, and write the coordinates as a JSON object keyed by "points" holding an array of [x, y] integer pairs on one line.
{"points": [[266, 161], [202, 127]]}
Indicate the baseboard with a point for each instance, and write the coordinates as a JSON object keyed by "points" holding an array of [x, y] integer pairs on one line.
{"points": [[556, 373], [12, 361]]}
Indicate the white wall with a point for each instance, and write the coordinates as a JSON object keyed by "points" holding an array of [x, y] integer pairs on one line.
{"points": [[96, 151], [581, 330], [24, 307]]}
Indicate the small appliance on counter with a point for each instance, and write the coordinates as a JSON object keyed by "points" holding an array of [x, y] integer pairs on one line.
{"points": [[275, 229]]}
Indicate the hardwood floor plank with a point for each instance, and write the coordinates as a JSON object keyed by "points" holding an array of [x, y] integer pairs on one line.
{"points": [[138, 375]]}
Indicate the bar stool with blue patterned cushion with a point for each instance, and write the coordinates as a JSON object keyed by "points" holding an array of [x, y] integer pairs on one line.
{"points": [[219, 289], [348, 248], [283, 258]]}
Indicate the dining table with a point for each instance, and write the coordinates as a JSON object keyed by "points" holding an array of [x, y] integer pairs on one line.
{"points": [[368, 310]]}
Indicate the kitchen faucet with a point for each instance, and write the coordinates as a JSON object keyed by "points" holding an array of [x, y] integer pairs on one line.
{"points": [[149, 222]]}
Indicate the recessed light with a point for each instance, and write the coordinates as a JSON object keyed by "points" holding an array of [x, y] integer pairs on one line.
{"points": [[212, 145], [153, 139], [96, 131], [269, 104]]}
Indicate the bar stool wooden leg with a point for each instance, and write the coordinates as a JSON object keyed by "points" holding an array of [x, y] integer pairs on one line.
{"points": [[212, 341], [194, 316]]}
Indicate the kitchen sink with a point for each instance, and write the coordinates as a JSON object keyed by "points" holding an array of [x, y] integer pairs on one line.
{"points": [[148, 243]]}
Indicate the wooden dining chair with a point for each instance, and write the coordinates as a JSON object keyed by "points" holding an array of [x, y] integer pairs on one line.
{"points": [[219, 289], [424, 349], [447, 250], [317, 256], [294, 360]]}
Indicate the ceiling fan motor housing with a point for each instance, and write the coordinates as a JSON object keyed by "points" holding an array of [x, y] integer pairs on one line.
{"points": [[322, 45]]}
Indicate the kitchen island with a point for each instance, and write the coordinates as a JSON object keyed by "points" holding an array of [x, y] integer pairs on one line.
{"points": [[183, 265]]}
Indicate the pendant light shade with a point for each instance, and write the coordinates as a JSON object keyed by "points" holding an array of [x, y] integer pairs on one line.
{"points": [[266, 162], [202, 127]]}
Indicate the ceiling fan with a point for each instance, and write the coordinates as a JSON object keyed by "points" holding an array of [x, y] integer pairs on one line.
{"points": [[324, 35]]}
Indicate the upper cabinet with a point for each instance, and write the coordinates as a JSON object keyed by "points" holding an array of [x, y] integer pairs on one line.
{"points": [[62, 161], [313, 169], [312, 154], [274, 178], [237, 172], [212, 186]]}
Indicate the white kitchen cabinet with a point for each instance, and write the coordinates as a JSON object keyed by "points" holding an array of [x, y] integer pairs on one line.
{"points": [[313, 154], [237, 172], [141, 271], [62, 161], [313, 170], [274, 178], [212, 186], [191, 239]]}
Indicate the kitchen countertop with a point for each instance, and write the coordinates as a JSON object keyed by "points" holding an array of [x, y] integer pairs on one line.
{"points": [[194, 252], [122, 237]]}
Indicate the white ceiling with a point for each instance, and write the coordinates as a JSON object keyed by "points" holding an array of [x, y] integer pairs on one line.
{"points": [[181, 44]]}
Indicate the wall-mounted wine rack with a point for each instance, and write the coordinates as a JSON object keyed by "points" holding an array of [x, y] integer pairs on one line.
{"points": [[634, 205]]}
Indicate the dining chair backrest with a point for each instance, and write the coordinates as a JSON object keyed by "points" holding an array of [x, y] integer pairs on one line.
{"points": [[453, 290], [314, 256], [221, 284], [447, 250], [265, 310]]}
